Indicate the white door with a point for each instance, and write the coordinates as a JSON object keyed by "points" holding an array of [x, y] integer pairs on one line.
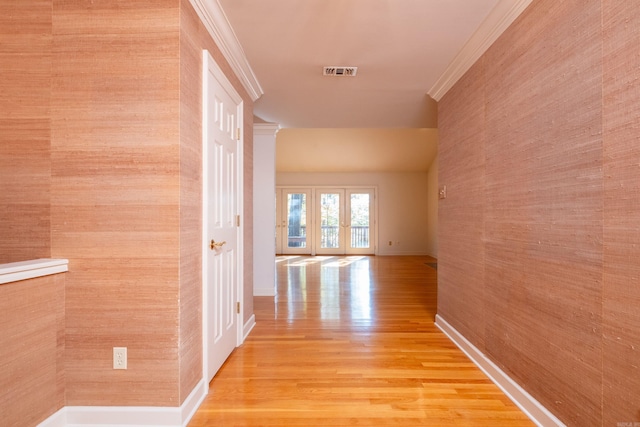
{"points": [[222, 119], [293, 231]]}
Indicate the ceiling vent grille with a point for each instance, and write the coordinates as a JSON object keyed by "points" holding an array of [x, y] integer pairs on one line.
{"points": [[340, 71]]}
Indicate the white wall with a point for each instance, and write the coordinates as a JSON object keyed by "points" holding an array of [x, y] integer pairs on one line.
{"points": [[356, 150], [264, 209], [402, 205], [432, 209]]}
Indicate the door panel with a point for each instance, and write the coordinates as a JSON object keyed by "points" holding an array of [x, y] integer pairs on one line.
{"points": [[221, 120]]}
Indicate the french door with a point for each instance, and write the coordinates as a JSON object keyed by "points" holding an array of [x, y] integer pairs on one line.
{"points": [[360, 209], [325, 221], [293, 235], [329, 225]]}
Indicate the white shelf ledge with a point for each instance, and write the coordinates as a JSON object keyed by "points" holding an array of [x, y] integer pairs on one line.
{"points": [[23, 270]]}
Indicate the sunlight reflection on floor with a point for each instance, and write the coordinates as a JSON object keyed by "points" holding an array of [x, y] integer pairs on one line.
{"points": [[336, 261], [343, 291]]}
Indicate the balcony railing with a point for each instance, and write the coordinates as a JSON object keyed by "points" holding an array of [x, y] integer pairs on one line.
{"points": [[359, 236], [297, 237], [330, 237]]}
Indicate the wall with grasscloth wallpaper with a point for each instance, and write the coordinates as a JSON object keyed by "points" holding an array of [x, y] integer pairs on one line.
{"points": [[539, 236], [101, 164], [25, 131]]}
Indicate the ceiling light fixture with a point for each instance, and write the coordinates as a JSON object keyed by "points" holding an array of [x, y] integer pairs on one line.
{"points": [[340, 71]]}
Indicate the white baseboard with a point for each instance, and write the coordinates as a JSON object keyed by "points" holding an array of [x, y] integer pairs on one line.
{"points": [[248, 327], [193, 401], [59, 419], [264, 292], [129, 416], [540, 415]]}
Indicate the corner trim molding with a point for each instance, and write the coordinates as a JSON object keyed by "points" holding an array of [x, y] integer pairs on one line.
{"points": [[498, 20], [218, 26], [540, 415], [129, 416]]}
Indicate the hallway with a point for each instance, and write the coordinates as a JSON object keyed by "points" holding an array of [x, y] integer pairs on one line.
{"points": [[352, 341]]}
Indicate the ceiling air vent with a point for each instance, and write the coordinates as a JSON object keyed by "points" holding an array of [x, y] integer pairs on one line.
{"points": [[340, 71]]}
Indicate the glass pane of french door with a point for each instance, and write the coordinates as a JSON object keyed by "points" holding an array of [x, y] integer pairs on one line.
{"points": [[330, 221], [359, 203], [296, 220], [292, 231], [360, 212]]}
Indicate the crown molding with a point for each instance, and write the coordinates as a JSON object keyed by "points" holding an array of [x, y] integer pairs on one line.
{"points": [[269, 129], [498, 20], [218, 26]]}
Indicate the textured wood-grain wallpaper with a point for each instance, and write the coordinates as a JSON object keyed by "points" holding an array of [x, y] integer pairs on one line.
{"points": [[25, 131], [191, 207], [548, 193], [32, 319], [621, 154], [103, 160], [461, 253], [116, 197]]}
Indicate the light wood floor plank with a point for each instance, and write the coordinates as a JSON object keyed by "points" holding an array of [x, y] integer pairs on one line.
{"points": [[352, 341]]}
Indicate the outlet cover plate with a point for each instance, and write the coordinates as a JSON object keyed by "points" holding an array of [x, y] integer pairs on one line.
{"points": [[119, 357]]}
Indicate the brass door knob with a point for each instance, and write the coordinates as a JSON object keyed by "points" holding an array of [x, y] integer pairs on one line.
{"points": [[215, 244]]}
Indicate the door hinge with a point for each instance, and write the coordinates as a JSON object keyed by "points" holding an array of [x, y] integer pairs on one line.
{"points": [[237, 220], [238, 307], [238, 134]]}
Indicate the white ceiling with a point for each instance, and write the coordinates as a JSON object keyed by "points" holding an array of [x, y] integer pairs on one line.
{"points": [[404, 49]]}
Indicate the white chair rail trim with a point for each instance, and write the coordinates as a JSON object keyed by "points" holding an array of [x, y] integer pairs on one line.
{"points": [[23, 270]]}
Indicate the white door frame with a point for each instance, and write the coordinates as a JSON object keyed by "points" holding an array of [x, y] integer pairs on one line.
{"points": [[209, 65]]}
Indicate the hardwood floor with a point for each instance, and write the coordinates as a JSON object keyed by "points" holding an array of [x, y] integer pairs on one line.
{"points": [[352, 341]]}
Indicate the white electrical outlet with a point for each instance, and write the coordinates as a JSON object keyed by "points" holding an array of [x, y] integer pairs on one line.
{"points": [[119, 357]]}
